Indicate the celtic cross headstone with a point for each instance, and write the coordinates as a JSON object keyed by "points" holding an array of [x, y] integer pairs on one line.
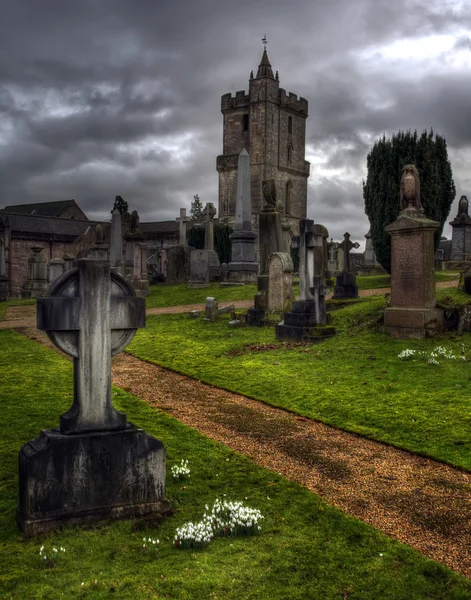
{"points": [[96, 466]]}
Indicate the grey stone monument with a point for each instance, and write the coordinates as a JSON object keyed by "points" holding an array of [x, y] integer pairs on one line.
{"points": [[243, 268], [4, 281], [345, 286], [116, 246], [461, 232], [214, 264], [96, 466], [280, 280], [183, 220], [36, 285], [308, 319], [56, 269], [178, 264], [211, 309], [270, 241], [199, 269]]}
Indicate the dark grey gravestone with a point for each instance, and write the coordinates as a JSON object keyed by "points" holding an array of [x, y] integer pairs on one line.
{"points": [[199, 269], [178, 264], [308, 318], [96, 466], [116, 245], [37, 284], [461, 232], [211, 312], [345, 286], [4, 281], [56, 269], [213, 258], [270, 240]]}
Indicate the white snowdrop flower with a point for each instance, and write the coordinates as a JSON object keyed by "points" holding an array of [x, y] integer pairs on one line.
{"points": [[45, 557]]}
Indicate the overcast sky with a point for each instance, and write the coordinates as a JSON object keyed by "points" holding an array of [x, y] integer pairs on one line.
{"points": [[107, 97]]}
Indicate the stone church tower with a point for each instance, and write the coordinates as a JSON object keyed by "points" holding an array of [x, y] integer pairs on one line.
{"points": [[271, 125]]}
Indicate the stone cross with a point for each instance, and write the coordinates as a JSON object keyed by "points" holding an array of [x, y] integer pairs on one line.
{"points": [[116, 246], [91, 314], [209, 213], [183, 220], [305, 243], [346, 246]]}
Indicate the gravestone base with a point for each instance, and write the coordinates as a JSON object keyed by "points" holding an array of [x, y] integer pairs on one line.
{"points": [[255, 317], [413, 323], [345, 286], [214, 266], [34, 289], [4, 287], [197, 286], [82, 478], [141, 287], [300, 324], [231, 284], [242, 272]]}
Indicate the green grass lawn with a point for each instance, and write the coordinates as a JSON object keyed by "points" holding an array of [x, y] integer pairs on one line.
{"points": [[306, 549], [353, 381], [178, 295]]}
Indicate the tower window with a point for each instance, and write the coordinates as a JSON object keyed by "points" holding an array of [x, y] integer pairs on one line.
{"points": [[290, 124], [245, 122], [290, 153]]}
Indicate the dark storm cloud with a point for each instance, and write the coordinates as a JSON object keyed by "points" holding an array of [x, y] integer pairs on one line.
{"points": [[99, 98]]}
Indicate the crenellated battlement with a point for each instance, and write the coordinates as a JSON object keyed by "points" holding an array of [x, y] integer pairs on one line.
{"points": [[228, 101], [291, 101]]}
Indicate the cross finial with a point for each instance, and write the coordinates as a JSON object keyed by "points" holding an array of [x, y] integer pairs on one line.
{"points": [[264, 41]]}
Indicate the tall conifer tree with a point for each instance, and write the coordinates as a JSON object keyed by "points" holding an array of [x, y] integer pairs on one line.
{"points": [[381, 189]]}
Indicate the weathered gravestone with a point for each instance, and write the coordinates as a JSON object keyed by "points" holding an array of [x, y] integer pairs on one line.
{"points": [[213, 258], [183, 220], [243, 268], [36, 285], [4, 281], [96, 466], [270, 241], [308, 319], [178, 264], [461, 233], [116, 245], [413, 312], [280, 276], [211, 309], [346, 286], [56, 268], [199, 269]]}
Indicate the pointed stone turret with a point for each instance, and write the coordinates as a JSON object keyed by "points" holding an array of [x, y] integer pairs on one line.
{"points": [[264, 68]]}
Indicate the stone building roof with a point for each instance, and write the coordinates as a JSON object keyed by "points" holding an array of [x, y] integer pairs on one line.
{"points": [[44, 209], [160, 227], [45, 228]]}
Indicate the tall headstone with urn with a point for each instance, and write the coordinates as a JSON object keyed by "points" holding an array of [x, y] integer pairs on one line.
{"points": [[413, 313]]}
